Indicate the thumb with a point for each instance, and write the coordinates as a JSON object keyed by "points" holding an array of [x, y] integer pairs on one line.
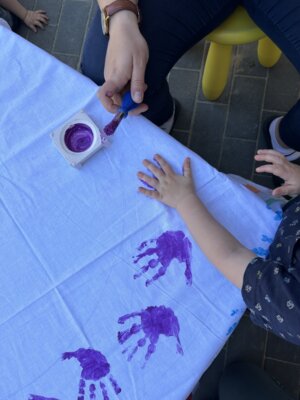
{"points": [[106, 95], [187, 170], [283, 190], [138, 85]]}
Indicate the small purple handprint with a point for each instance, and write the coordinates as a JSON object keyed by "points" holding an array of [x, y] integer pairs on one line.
{"points": [[94, 367], [155, 321], [169, 246]]}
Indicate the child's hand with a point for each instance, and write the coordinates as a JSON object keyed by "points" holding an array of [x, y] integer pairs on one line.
{"points": [[281, 167], [34, 19], [170, 188]]}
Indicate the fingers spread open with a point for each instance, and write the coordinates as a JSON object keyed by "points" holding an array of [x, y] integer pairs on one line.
{"points": [[156, 171], [164, 165], [152, 182]]}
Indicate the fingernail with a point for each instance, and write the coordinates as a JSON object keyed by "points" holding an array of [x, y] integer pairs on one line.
{"points": [[137, 97]]}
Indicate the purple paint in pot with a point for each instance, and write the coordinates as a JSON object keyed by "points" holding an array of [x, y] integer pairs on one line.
{"points": [[154, 321], [169, 246], [95, 367], [78, 137]]}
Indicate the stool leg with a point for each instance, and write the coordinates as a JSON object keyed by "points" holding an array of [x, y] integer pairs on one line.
{"points": [[216, 70], [268, 53]]}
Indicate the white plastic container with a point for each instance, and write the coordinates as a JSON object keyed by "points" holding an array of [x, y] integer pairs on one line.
{"points": [[78, 139]]}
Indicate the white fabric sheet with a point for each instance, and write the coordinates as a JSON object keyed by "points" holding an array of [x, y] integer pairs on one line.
{"points": [[69, 241]]}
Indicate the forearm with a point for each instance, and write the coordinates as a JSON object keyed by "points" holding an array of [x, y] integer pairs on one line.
{"points": [[15, 7], [220, 247], [122, 19], [103, 3]]}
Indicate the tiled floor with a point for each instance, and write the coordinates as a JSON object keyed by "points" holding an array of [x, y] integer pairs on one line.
{"points": [[226, 133]]}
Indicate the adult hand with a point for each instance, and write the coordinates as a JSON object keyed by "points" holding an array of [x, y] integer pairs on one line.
{"points": [[126, 60], [170, 188], [36, 19], [281, 167]]}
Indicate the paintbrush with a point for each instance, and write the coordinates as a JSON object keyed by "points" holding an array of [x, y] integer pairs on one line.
{"points": [[127, 105]]}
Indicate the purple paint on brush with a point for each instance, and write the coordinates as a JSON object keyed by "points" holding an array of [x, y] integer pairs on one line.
{"points": [[111, 127], [154, 321], [78, 137], [94, 367], [169, 246]]}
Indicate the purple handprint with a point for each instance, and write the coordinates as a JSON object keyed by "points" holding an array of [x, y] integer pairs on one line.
{"points": [[169, 246], [155, 321], [94, 367]]}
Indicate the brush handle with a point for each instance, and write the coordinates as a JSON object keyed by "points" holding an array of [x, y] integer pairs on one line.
{"points": [[127, 104]]}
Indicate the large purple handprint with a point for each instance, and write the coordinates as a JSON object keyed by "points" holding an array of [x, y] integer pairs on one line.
{"points": [[94, 367], [171, 245], [155, 321]]}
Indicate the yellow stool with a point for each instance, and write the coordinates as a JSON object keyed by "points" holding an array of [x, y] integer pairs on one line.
{"points": [[237, 29]]}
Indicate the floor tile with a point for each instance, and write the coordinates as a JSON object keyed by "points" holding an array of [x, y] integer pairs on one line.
{"points": [[207, 131], [183, 85], [283, 86], [245, 107], [237, 157], [72, 26], [246, 61], [44, 38], [52, 7]]}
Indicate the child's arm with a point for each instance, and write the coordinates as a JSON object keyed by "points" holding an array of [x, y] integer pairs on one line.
{"points": [[177, 191], [281, 167], [32, 19]]}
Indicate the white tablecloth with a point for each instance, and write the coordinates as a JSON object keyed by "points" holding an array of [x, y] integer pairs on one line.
{"points": [[78, 314]]}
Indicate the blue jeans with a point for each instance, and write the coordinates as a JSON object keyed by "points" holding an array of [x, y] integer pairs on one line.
{"points": [[171, 27]]}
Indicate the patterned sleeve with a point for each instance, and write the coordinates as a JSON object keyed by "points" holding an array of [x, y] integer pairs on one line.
{"points": [[271, 291]]}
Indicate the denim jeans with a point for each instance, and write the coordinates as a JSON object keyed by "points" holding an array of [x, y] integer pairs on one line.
{"points": [[171, 27]]}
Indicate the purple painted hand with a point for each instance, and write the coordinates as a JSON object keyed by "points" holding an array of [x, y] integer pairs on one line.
{"points": [[168, 247], [94, 368], [155, 321]]}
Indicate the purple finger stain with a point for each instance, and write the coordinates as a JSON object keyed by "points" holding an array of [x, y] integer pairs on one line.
{"points": [[153, 176], [78, 137], [154, 321], [171, 245], [95, 367], [146, 184], [111, 127]]}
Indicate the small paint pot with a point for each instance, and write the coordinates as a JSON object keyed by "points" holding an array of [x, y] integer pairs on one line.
{"points": [[78, 139]]}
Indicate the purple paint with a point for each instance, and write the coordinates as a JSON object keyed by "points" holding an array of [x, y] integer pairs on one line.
{"points": [[153, 176], [94, 367], [111, 127], [78, 137], [146, 184], [154, 321], [171, 245]]}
